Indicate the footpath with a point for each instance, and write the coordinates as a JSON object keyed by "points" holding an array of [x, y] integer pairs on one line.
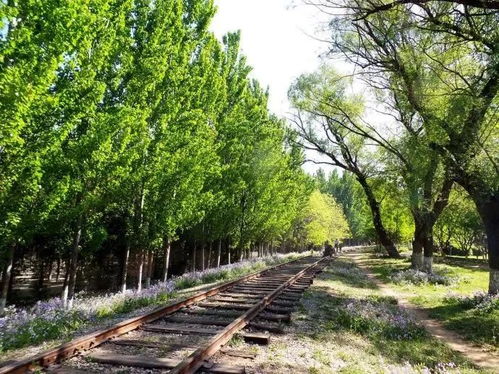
{"points": [[476, 354]]}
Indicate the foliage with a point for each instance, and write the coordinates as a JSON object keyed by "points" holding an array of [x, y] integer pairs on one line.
{"points": [[324, 219], [432, 68], [126, 125], [348, 193], [460, 226]]}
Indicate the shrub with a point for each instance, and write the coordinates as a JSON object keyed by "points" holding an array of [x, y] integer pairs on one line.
{"points": [[378, 317], [416, 277], [480, 302]]}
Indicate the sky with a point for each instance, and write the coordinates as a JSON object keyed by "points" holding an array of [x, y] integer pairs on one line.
{"points": [[276, 39]]}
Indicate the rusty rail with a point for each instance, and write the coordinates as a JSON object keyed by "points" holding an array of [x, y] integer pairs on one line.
{"points": [[94, 339], [193, 362]]}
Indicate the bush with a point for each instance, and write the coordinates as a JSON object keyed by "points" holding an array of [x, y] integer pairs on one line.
{"points": [[416, 277], [479, 302], [378, 317]]}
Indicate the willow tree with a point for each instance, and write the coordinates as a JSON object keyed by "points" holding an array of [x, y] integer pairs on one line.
{"points": [[323, 110], [439, 60]]}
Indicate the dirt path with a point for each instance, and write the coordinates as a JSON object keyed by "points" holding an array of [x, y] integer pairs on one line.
{"points": [[476, 354]]}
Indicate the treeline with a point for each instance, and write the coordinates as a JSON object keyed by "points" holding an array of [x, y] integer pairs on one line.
{"points": [[457, 231], [422, 132], [126, 126]]}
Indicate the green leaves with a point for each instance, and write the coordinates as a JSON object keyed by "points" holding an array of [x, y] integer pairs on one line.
{"points": [[130, 117]]}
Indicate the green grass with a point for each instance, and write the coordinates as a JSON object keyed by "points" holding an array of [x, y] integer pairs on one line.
{"points": [[362, 339], [471, 274], [63, 327]]}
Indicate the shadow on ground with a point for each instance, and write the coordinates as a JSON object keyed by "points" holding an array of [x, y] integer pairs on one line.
{"points": [[376, 320]]}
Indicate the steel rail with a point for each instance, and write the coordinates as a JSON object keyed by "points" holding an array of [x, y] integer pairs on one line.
{"points": [[196, 360], [96, 338]]}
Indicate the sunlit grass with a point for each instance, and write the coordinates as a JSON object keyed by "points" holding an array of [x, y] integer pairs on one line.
{"points": [[358, 330], [48, 321], [470, 276]]}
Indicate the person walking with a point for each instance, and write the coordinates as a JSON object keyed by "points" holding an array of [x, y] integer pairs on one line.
{"points": [[337, 248]]}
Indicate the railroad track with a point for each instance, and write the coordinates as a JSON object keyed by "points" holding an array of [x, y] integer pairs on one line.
{"points": [[181, 337]]}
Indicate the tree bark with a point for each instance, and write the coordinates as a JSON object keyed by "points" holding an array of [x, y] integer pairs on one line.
{"points": [[50, 270], [6, 276], [488, 208], [203, 247], [64, 292], [58, 269], [41, 274], [166, 257], [417, 245], [219, 252], [210, 250], [141, 268], [73, 264], [124, 267], [428, 247], [381, 232], [194, 255], [149, 268]]}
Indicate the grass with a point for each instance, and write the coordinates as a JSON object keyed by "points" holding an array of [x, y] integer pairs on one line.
{"points": [[346, 325], [53, 325], [469, 276]]}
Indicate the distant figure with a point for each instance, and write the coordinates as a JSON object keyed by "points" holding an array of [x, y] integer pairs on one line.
{"points": [[337, 247], [328, 249]]}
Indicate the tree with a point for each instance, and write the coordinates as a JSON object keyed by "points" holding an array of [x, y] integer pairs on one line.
{"points": [[460, 225], [439, 60], [324, 220], [323, 108]]}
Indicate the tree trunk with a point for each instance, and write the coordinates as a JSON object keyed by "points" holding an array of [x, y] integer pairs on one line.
{"points": [[417, 245], [194, 255], [141, 268], [58, 269], [124, 267], [41, 274], [148, 269], [7, 274], [219, 252], [489, 212], [64, 292], [203, 247], [381, 232], [228, 254], [73, 264], [210, 250], [166, 257], [428, 251]]}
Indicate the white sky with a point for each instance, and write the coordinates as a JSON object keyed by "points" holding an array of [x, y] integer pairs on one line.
{"points": [[276, 39], [279, 42]]}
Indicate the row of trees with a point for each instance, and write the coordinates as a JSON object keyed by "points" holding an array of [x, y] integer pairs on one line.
{"points": [[427, 119], [458, 230], [127, 125]]}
